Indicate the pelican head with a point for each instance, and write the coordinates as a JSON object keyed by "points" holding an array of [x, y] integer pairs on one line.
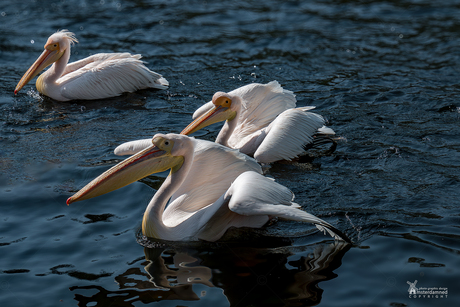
{"points": [[225, 108], [166, 152], [55, 47]]}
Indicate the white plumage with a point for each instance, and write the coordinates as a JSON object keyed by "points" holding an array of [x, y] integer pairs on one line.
{"points": [[210, 189], [99, 76], [261, 120]]}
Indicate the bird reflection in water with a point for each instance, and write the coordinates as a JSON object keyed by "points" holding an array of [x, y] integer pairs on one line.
{"points": [[247, 275]]}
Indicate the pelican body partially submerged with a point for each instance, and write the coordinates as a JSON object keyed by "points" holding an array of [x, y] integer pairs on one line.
{"points": [[99, 76], [210, 188]]}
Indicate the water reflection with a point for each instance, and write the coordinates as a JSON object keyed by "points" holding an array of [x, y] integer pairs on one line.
{"points": [[247, 275]]}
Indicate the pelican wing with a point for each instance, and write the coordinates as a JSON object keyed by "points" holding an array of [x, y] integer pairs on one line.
{"points": [[286, 136], [251, 201], [254, 194], [261, 104], [132, 147], [107, 75]]}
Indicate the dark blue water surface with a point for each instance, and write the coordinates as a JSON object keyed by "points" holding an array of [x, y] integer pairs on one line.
{"points": [[385, 74]]}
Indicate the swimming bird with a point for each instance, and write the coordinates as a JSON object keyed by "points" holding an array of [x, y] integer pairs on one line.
{"points": [[261, 120], [99, 76], [209, 189]]}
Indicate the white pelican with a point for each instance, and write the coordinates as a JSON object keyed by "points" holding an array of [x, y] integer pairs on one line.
{"points": [[261, 121], [210, 188], [99, 76]]}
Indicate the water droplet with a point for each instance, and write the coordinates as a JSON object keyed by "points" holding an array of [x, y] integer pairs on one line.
{"points": [[3, 14], [32, 41], [82, 108], [81, 28], [401, 36], [392, 29], [161, 22]]}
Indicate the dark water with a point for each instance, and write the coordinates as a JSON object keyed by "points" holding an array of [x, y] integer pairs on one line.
{"points": [[386, 76]]}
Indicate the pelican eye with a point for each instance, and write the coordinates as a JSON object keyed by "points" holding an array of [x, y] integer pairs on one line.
{"points": [[167, 143], [225, 102], [55, 45]]}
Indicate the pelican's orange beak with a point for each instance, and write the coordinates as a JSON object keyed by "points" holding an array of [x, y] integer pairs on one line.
{"points": [[216, 114], [47, 58], [146, 162]]}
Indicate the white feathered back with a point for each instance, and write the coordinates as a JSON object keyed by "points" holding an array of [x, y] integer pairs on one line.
{"points": [[261, 104], [214, 169], [108, 74]]}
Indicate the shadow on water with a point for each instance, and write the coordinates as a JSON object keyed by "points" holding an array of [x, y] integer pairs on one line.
{"points": [[290, 275]]}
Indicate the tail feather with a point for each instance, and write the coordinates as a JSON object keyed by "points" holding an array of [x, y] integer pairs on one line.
{"points": [[333, 232], [161, 83], [322, 225]]}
